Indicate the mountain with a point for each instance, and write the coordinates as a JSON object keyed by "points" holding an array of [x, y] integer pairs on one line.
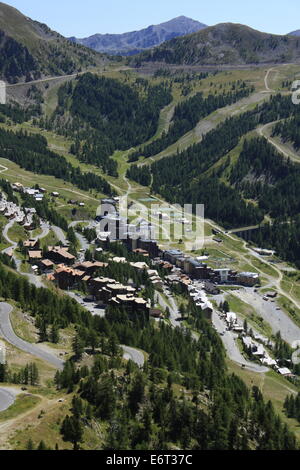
{"points": [[137, 41], [29, 49], [295, 33], [225, 43]]}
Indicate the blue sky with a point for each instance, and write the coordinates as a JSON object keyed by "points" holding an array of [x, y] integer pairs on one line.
{"points": [[82, 18]]}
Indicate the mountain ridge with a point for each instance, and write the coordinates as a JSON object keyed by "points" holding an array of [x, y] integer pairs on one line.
{"points": [[136, 41], [29, 49], [295, 33], [225, 43]]}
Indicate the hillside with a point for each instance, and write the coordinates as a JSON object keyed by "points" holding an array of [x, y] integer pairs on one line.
{"points": [[137, 41], [225, 43], [29, 49], [295, 33]]}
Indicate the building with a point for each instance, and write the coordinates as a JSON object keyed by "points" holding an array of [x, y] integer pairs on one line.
{"points": [[146, 246], [172, 255], [271, 294], [131, 303], [60, 255], [46, 266], [211, 288], [223, 274], [140, 265], [200, 299], [35, 256], [98, 283], [90, 267], [30, 244], [263, 252], [141, 252], [149, 246], [155, 279], [17, 187], [231, 319], [66, 277], [284, 371], [247, 279]]}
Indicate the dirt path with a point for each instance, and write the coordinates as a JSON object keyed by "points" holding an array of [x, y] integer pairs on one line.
{"points": [[23, 420], [263, 132], [268, 89]]}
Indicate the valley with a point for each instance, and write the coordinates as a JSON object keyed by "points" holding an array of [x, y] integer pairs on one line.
{"points": [[109, 342]]}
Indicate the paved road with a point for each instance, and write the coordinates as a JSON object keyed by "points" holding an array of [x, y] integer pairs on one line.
{"points": [[60, 77], [7, 397], [84, 243], [33, 279], [129, 353], [59, 234], [6, 331], [45, 231], [90, 306], [229, 341], [277, 319], [133, 354], [173, 309]]}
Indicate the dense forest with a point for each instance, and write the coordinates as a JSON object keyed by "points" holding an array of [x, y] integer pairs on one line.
{"points": [[141, 175], [188, 177], [18, 114], [188, 113], [292, 406], [15, 60], [105, 115], [31, 153], [281, 236], [262, 174], [289, 130], [142, 409], [178, 178]]}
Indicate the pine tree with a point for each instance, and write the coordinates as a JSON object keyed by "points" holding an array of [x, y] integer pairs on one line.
{"points": [[72, 431], [30, 445], [54, 335], [42, 446], [78, 347]]}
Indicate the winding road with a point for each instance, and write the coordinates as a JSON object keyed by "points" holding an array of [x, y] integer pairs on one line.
{"points": [[59, 234], [7, 397], [134, 355], [233, 352], [268, 89], [280, 147], [33, 279], [7, 332]]}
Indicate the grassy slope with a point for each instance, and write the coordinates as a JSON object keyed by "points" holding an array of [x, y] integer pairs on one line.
{"points": [[40, 41]]}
